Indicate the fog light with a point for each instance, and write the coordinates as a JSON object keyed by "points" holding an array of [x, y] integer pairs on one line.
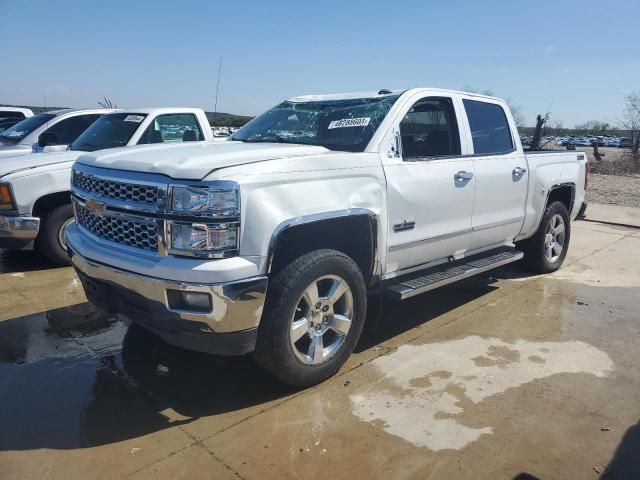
{"points": [[189, 301]]}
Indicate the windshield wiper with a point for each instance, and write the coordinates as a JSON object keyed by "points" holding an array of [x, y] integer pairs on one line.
{"points": [[270, 138], [92, 146]]}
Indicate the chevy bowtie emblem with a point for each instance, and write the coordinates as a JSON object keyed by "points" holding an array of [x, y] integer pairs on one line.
{"points": [[96, 208]]}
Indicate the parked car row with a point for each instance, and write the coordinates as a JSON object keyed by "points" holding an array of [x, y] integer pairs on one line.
{"points": [[582, 141], [223, 132], [601, 141]]}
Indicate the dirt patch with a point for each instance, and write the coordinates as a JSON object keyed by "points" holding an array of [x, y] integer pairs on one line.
{"points": [[610, 154], [614, 190]]}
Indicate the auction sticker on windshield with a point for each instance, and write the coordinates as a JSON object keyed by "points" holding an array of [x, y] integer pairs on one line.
{"points": [[350, 122], [134, 118]]}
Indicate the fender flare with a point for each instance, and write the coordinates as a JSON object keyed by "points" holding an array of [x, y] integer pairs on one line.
{"points": [[324, 216]]}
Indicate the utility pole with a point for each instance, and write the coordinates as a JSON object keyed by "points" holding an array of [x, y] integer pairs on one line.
{"points": [[215, 108]]}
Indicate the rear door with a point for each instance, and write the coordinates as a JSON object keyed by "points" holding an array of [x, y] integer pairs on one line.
{"points": [[430, 184], [500, 173]]}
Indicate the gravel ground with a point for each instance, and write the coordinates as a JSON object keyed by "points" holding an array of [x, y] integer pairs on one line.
{"points": [[608, 153], [614, 190]]}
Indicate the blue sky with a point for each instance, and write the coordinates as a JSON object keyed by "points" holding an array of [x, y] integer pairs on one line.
{"points": [[575, 58]]}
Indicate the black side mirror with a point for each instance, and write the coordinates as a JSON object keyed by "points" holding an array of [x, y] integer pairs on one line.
{"points": [[47, 139]]}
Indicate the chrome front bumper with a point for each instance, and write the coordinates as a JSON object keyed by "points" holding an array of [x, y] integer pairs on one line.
{"points": [[230, 327], [18, 232]]}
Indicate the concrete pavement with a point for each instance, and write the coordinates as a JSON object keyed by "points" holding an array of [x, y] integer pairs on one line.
{"points": [[500, 376], [613, 214]]}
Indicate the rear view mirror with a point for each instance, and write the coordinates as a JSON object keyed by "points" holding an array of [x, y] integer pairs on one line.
{"points": [[47, 139]]}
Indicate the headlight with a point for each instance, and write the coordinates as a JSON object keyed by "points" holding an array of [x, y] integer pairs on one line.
{"points": [[6, 199], [205, 201], [212, 230], [202, 239]]}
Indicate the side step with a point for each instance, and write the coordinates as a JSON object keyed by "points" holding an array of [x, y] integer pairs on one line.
{"points": [[419, 282]]}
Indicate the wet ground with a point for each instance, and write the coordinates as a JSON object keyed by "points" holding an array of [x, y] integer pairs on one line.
{"points": [[502, 376]]}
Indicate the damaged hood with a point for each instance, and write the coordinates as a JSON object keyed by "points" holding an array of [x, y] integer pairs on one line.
{"points": [[194, 161], [34, 160]]}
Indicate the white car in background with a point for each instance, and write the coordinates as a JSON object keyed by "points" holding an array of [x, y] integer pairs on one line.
{"points": [[34, 189], [9, 116], [15, 112], [47, 132]]}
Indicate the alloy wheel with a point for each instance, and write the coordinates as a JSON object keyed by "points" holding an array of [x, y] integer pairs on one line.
{"points": [[554, 238], [322, 319]]}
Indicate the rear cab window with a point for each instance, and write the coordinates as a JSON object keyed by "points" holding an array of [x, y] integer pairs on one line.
{"points": [[490, 129], [173, 128], [11, 114]]}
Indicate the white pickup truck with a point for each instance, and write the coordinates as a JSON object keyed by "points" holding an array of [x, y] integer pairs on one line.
{"points": [[35, 204], [270, 242], [47, 132]]}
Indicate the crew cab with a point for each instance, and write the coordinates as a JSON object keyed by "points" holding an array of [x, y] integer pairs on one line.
{"points": [[35, 205], [46, 132], [270, 242]]}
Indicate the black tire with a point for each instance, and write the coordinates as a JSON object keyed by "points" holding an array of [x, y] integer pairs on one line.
{"points": [[535, 258], [48, 240], [274, 351]]}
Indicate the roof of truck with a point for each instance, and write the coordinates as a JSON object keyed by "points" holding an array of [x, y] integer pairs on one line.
{"points": [[160, 110], [377, 93], [64, 111], [17, 109]]}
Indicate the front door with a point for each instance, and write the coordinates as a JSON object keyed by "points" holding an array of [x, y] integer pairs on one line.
{"points": [[430, 186]]}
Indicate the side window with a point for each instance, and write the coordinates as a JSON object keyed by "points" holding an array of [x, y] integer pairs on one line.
{"points": [[69, 129], [179, 127], [4, 115], [430, 129], [489, 128]]}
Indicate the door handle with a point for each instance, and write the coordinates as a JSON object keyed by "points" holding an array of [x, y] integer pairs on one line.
{"points": [[519, 171], [462, 175]]}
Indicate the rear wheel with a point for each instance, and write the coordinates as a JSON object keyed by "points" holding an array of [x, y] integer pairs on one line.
{"points": [[50, 241], [546, 250], [313, 318]]}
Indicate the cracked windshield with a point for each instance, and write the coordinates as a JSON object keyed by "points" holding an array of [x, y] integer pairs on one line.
{"points": [[345, 125]]}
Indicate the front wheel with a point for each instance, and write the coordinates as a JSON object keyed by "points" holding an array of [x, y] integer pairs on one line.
{"points": [[546, 250], [313, 318], [50, 241]]}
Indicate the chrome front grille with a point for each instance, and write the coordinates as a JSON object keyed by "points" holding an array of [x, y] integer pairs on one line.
{"points": [[133, 209], [126, 192], [125, 230]]}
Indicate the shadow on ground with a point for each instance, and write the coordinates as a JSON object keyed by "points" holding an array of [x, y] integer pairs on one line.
{"points": [[23, 261], [387, 318], [74, 377], [625, 463]]}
